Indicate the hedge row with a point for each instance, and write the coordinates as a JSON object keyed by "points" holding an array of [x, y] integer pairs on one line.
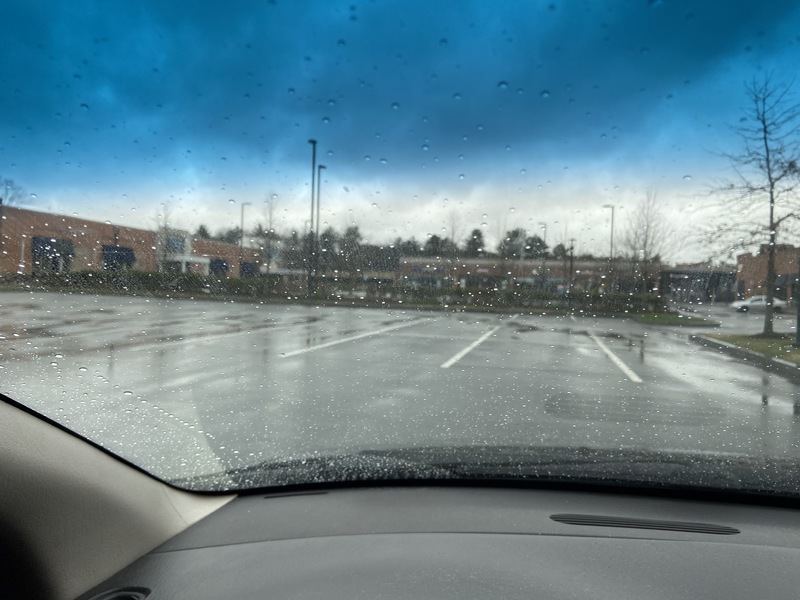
{"points": [[141, 283]]}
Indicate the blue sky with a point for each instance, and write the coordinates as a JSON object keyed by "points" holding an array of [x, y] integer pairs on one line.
{"points": [[429, 114]]}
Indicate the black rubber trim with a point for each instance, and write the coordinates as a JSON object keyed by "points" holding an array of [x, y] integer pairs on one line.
{"points": [[630, 523]]}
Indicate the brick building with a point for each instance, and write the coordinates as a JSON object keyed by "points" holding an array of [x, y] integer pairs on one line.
{"points": [[33, 242], [751, 272], [551, 275]]}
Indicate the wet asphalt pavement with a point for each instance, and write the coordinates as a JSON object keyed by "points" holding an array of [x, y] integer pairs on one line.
{"points": [[184, 387]]}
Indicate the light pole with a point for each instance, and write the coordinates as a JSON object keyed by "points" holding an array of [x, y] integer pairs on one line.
{"points": [[544, 254], [319, 227], [319, 182], [521, 254], [313, 143], [241, 237], [571, 269], [611, 249], [270, 209]]}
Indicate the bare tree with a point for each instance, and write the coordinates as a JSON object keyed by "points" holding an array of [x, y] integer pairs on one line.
{"points": [[647, 237], [11, 193], [766, 176]]}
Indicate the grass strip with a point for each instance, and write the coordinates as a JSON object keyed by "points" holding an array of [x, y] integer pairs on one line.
{"points": [[778, 346]]}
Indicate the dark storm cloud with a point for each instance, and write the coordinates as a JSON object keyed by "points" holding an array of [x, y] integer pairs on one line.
{"points": [[107, 85]]}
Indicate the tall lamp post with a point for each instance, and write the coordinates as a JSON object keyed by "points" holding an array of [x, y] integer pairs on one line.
{"points": [[611, 248], [544, 254], [318, 227], [270, 210], [319, 182], [241, 237], [522, 241], [313, 143]]}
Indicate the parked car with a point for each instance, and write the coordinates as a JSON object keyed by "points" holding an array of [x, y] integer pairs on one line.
{"points": [[758, 304]]}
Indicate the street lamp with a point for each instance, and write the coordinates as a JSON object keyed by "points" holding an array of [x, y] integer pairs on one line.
{"points": [[313, 143], [319, 183], [544, 254], [241, 237], [523, 237], [270, 210], [319, 226], [571, 268], [611, 250]]}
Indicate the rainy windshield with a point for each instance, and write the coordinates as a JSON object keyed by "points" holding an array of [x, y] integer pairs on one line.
{"points": [[292, 242]]}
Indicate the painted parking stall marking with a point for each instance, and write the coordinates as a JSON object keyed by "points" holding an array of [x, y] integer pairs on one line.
{"points": [[353, 338], [449, 363]]}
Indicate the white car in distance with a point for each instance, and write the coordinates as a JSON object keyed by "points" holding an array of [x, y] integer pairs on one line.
{"points": [[758, 304]]}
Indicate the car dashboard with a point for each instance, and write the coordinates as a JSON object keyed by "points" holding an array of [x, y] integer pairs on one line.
{"points": [[465, 542]]}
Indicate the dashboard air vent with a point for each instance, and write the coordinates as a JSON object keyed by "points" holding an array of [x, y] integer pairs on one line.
{"points": [[628, 523]]}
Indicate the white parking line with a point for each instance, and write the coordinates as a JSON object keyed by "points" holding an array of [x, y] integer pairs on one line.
{"points": [[353, 338], [629, 373], [449, 363], [615, 359]]}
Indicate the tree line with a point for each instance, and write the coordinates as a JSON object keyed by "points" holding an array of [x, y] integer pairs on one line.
{"points": [[347, 245]]}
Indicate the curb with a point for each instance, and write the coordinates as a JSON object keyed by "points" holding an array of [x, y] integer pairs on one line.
{"points": [[774, 365]]}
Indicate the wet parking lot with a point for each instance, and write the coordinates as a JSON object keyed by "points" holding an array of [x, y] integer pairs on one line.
{"points": [[239, 383]]}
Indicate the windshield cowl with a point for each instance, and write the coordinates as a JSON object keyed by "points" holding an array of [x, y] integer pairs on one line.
{"points": [[628, 467]]}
